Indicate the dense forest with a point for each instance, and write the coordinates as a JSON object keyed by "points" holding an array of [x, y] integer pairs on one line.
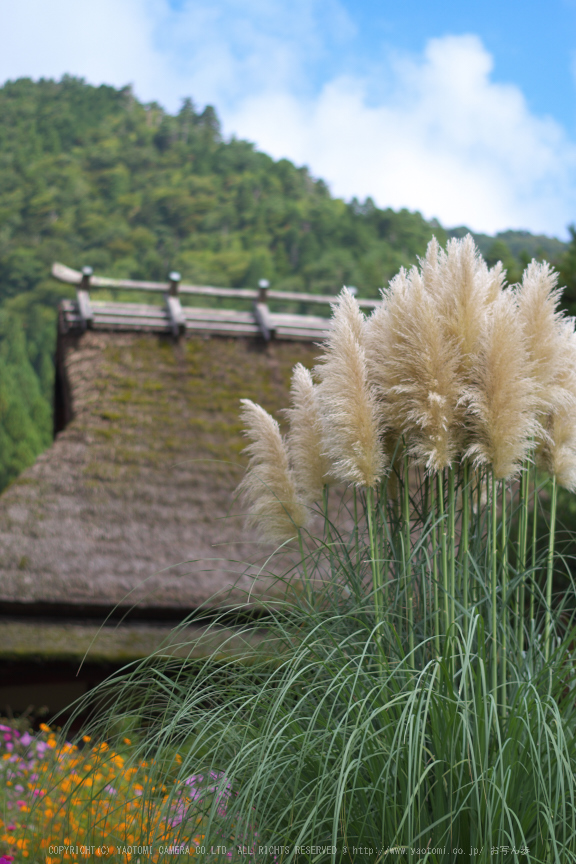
{"points": [[89, 175]]}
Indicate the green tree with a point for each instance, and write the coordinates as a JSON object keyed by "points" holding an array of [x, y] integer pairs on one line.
{"points": [[568, 272], [25, 414], [90, 175]]}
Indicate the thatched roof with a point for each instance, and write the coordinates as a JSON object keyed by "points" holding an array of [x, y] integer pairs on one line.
{"points": [[131, 503]]}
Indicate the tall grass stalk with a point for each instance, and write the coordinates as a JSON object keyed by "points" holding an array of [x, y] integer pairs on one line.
{"points": [[505, 608], [494, 587], [466, 503], [521, 555], [444, 548], [436, 609], [304, 567], [374, 555], [533, 582], [407, 557], [550, 569], [452, 549]]}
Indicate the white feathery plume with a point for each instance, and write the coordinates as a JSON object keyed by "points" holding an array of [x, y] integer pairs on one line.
{"points": [[552, 347], [501, 401], [431, 269], [350, 425], [557, 451], [384, 355], [464, 289], [495, 283], [414, 370], [311, 468], [544, 327], [268, 486], [560, 455]]}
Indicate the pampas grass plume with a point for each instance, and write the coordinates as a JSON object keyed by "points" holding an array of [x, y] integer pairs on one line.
{"points": [[502, 401], [350, 425], [268, 486], [557, 452], [464, 289], [560, 454], [552, 346], [310, 466], [414, 367], [538, 298]]}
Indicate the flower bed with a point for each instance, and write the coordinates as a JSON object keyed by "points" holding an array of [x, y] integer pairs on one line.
{"points": [[88, 799]]}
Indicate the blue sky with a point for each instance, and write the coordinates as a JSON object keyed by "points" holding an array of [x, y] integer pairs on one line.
{"points": [[465, 111], [533, 43]]}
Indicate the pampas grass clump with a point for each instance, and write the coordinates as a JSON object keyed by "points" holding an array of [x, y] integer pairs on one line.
{"points": [[416, 702]]}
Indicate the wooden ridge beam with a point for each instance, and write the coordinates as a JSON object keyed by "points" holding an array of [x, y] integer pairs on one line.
{"points": [[74, 277]]}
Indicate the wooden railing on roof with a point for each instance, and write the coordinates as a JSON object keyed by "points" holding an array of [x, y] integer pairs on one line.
{"points": [[87, 313]]}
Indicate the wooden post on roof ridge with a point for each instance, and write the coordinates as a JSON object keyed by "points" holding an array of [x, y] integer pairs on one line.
{"points": [[174, 307], [171, 317], [263, 285], [83, 297], [262, 312]]}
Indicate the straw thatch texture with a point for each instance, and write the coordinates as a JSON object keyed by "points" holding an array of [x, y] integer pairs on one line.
{"points": [[142, 478]]}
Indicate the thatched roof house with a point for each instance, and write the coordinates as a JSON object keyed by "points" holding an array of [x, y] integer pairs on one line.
{"points": [[133, 504]]}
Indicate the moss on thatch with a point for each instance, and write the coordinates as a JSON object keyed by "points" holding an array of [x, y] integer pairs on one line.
{"points": [[133, 502]]}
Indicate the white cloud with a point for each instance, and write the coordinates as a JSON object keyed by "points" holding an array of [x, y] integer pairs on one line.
{"points": [[448, 142], [442, 137], [105, 42], [213, 50], [230, 49]]}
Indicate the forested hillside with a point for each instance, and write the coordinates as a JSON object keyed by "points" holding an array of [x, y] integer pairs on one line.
{"points": [[89, 175]]}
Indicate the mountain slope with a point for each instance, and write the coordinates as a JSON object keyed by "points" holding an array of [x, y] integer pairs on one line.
{"points": [[89, 175]]}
